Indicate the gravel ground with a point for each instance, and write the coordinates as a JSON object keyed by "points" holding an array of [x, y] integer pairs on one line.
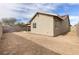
{"points": [[12, 44], [67, 44], [26, 43]]}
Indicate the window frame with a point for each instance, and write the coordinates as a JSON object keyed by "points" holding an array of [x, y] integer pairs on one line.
{"points": [[34, 25]]}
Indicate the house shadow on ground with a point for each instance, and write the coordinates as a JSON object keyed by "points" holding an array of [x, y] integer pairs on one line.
{"points": [[12, 44]]}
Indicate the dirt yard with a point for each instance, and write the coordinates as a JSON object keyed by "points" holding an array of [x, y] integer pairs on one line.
{"points": [[12, 44], [23, 43]]}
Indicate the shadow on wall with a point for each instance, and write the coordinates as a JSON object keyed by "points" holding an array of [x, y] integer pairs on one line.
{"points": [[65, 33], [13, 44]]}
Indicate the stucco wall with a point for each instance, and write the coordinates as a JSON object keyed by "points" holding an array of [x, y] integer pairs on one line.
{"points": [[47, 25], [0, 31], [62, 27], [44, 25], [57, 27], [66, 26]]}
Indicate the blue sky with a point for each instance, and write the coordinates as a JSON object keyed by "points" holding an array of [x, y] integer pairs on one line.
{"points": [[23, 12]]}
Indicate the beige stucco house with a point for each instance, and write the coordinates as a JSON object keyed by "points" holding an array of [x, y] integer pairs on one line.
{"points": [[48, 24]]}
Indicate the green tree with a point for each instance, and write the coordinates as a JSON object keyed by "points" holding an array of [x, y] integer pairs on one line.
{"points": [[9, 21], [20, 24]]}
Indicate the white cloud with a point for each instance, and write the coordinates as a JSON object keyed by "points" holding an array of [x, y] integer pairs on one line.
{"points": [[5, 10], [30, 9], [27, 10], [74, 20], [73, 3]]}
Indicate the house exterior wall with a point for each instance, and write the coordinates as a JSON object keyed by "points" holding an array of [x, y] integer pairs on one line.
{"points": [[57, 26], [66, 25], [61, 27], [50, 25], [44, 25]]}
